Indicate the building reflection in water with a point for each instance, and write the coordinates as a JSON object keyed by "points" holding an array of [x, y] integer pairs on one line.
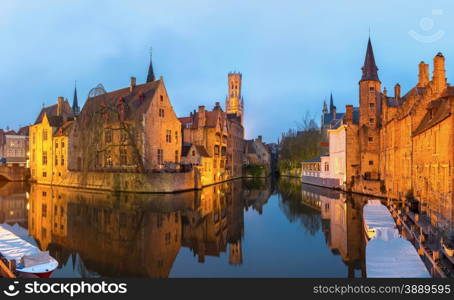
{"points": [[96, 233], [338, 215], [13, 203]]}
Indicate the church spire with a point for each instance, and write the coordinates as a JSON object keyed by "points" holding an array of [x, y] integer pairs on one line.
{"points": [[150, 76], [325, 107], [370, 68], [331, 103], [76, 108]]}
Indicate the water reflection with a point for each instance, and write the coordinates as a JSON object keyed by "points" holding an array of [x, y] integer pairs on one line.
{"points": [[241, 228]]}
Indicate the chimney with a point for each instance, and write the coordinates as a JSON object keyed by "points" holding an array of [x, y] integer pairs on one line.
{"points": [[259, 138], [202, 117], [423, 74], [60, 106], [348, 118], [439, 75], [397, 91], [133, 84]]}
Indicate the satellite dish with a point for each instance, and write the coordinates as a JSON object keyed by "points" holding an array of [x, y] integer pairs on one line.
{"points": [[96, 91]]}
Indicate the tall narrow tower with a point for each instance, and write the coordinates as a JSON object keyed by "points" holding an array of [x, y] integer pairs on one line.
{"points": [[370, 109], [234, 100]]}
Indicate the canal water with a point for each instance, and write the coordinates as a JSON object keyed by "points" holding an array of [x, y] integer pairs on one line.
{"points": [[243, 228]]}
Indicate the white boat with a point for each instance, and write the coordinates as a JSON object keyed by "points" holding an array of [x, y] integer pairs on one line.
{"points": [[29, 259], [388, 255], [376, 216]]}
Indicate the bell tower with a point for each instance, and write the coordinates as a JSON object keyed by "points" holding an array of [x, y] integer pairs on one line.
{"points": [[369, 122], [234, 100]]}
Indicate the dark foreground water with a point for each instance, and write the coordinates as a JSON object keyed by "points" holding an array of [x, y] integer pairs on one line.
{"points": [[244, 228]]}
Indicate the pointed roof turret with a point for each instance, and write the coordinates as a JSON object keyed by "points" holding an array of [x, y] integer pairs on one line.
{"points": [[76, 108], [370, 68], [150, 76], [325, 108]]}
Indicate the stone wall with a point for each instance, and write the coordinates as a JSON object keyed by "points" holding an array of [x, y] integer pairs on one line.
{"points": [[131, 182]]}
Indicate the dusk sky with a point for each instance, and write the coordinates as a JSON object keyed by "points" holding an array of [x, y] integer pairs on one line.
{"points": [[291, 53]]}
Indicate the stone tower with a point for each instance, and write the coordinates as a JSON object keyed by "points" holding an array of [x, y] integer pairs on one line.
{"points": [[234, 100], [369, 105]]}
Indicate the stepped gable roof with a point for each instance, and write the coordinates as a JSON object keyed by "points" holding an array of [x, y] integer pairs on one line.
{"points": [[67, 112], [211, 118], [110, 105], [437, 111]]}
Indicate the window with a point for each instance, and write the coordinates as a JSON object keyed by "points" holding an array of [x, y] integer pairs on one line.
{"points": [[193, 152], [44, 174], [124, 137], [44, 210], [56, 159], [34, 138], [123, 157], [371, 162], [371, 105], [216, 150], [56, 144], [371, 89], [108, 135], [44, 158], [161, 113], [62, 144], [62, 160], [161, 97], [108, 158], [177, 157], [44, 134], [372, 120], [223, 151], [168, 136], [371, 139], [176, 136], [160, 156]]}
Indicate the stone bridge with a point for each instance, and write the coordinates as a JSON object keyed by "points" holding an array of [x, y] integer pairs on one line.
{"points": [[14, 173]]}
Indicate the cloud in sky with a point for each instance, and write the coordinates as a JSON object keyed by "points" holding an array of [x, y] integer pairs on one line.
{"points": [[291, 53]]}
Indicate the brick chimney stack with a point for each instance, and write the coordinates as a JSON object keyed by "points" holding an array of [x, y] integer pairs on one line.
{"points": [[60, 106], [439, 74], [348, 118], [202, 116], [397, 91], [133, 84], [423, 74]]}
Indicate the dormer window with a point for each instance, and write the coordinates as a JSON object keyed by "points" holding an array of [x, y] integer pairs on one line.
{"points": [[431, 114]]}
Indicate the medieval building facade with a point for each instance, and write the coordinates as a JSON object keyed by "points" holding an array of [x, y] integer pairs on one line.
{"points": [[132, 140], [403, 145]]}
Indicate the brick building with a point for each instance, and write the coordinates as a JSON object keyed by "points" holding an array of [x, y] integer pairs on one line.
{"points": [[403, 146]]}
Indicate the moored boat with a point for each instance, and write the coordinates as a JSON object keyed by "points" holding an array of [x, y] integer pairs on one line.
{"points": [[30, 261]]}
